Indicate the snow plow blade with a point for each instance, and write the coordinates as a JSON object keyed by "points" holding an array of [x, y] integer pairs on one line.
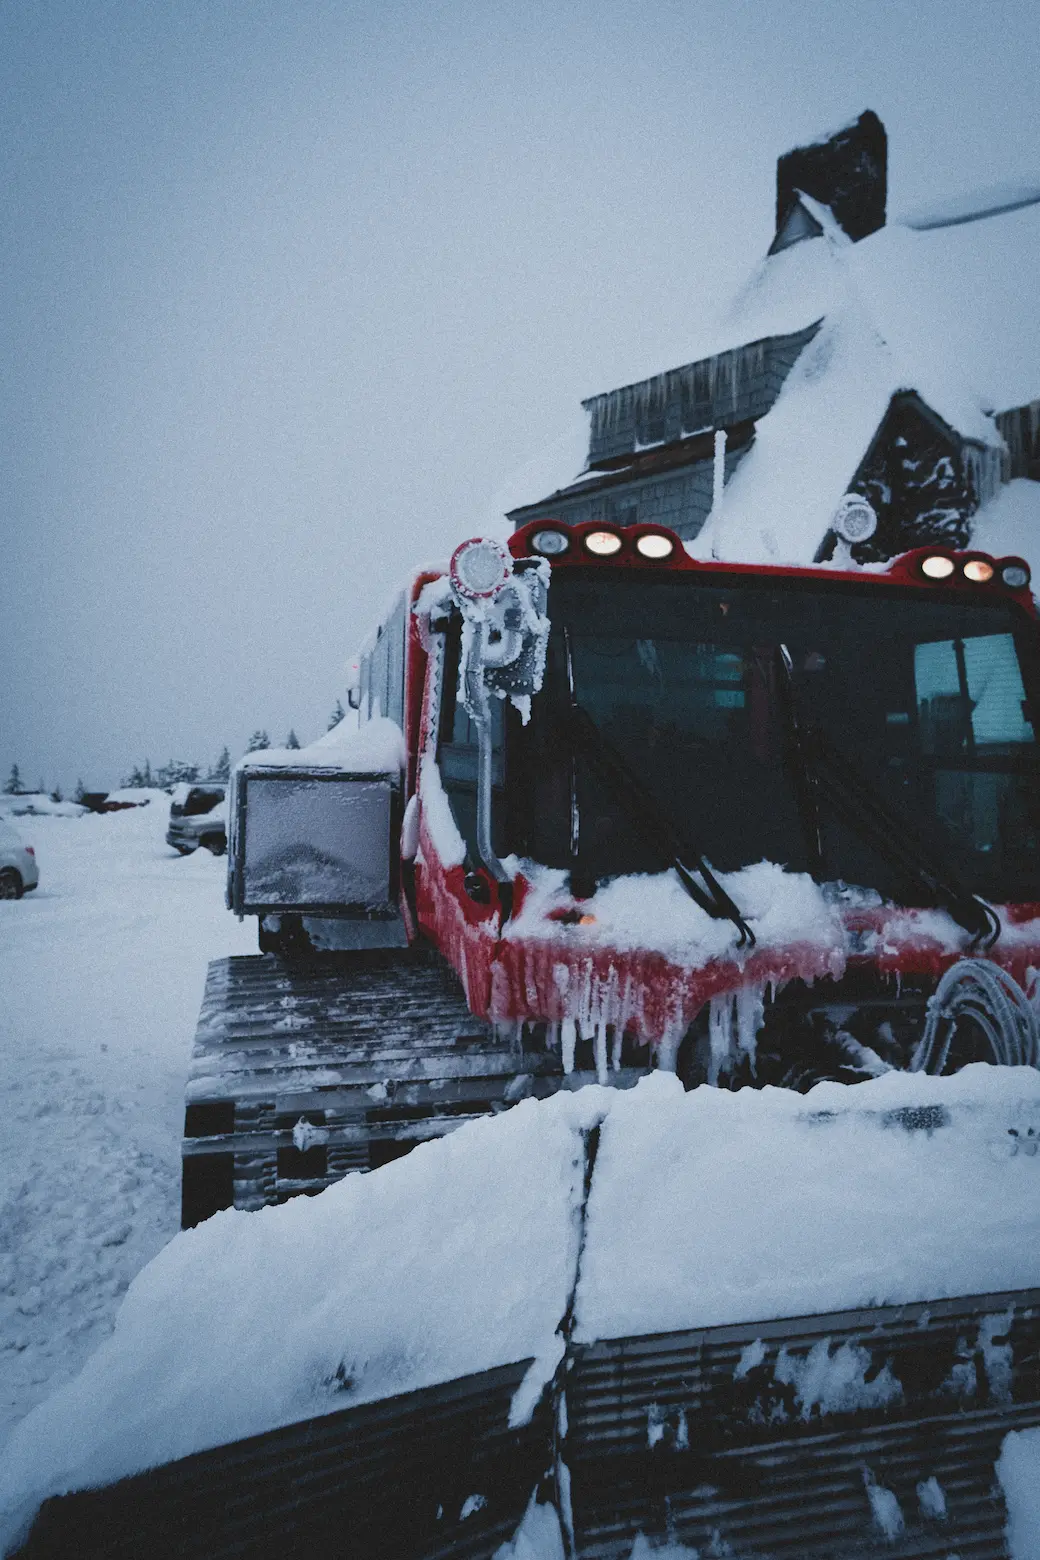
{"points": [[748, 1440], [715, 1440], [423, 1476], [303, 1072]]}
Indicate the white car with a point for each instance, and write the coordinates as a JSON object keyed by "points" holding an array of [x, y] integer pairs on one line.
{"points": [[198, 816], [18, 869]]}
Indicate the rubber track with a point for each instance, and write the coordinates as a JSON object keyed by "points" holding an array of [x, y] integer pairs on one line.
{"points": [[376, 1049]]}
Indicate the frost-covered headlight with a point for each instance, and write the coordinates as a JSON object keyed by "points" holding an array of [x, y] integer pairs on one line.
{"points": [[652, 544], [550, 542], [937, 567], [603, 544], [1015, 574], [479, 568], [979, 570]]}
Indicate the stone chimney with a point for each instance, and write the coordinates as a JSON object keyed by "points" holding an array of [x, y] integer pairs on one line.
{"points": [[847, 172]]}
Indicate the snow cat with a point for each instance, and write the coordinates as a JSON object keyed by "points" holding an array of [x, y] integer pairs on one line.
{"points": [[609, 809]]}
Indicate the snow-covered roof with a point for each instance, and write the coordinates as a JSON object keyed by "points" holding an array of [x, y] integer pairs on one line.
{"points": [[947, 313], [376, 747]]}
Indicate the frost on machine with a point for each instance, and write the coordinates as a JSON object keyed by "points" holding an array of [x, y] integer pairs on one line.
{"points": [[607, 809]]}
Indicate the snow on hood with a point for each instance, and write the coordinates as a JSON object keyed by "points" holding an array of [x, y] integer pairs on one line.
{"points": [[377, 747], [653, 910], [706, 1208]]}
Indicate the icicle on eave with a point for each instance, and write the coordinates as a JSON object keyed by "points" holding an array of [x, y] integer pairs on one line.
{"points": [[984, 468]]}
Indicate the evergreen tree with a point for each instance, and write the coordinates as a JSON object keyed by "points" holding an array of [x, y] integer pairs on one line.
{"points": [[56, 794], [175, 772], [80, 791], [221, 770], [258, 740], [14, 786], [41, 789], [292, 740], [337, 715]]}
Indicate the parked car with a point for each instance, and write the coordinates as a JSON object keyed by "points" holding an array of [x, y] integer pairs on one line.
{"points": [[18, 870], [198, 816]]}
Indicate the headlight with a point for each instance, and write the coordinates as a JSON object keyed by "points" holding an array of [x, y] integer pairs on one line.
{"points": [[654, 545], [603, 544], [1015, 575], [979, 570], [550, 543], [479, 568], [937, 567]]}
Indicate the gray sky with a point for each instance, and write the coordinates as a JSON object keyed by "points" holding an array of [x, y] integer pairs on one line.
{"points": [[290, 290]]}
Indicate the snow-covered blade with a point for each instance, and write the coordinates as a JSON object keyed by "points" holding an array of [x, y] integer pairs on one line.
{"points": [[707, 1210]]}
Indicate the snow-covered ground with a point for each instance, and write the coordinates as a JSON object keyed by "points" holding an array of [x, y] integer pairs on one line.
{"points": [[101, 974]]}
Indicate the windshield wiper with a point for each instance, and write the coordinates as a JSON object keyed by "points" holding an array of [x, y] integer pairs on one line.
{"points": [[646, 814], [823, 770]]}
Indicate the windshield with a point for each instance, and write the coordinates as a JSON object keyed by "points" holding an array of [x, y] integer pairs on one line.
{"points": [[925, 695]]}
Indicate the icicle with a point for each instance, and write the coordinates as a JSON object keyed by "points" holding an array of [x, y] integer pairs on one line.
{"points": [[750, 1017], [668, 1050], [552, 1036], [602, 1076], [720, 1035], [568, 1039], [615, 1049]]}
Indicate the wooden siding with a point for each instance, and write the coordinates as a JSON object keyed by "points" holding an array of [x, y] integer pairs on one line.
{"points": [[679, 499], [732, 387]]}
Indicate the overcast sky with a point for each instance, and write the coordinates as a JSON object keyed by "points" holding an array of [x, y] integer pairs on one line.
{"points": [[291, 289]]}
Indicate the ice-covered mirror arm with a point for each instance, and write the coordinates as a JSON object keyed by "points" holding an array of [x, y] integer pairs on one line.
{"points": [[505, 632]]}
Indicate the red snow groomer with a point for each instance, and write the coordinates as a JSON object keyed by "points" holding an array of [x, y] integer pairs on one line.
{"points": [[609, 809]]}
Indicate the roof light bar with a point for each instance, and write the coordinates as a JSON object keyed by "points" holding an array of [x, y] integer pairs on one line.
{"points": [[603, 544], [654, 545]]}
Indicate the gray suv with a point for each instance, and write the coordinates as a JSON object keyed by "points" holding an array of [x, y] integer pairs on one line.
{"points": [[198, 816]]}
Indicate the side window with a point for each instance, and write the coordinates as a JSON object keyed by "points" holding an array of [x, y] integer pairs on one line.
{"points": [[970, 695], [457, 751]]}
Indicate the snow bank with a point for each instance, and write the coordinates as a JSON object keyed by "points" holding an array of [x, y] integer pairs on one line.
{"points": [[377, 747], [453, 1260], [1018, 1469], [37, 804], [715, 1207]]}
